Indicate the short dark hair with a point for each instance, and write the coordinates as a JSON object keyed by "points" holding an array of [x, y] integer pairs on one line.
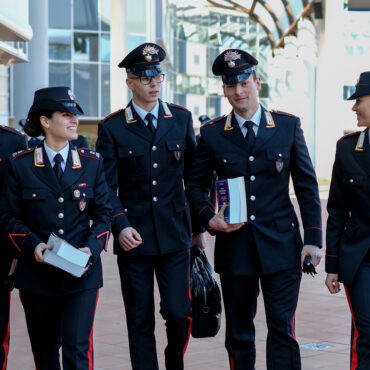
{"points": [[33, 125]]}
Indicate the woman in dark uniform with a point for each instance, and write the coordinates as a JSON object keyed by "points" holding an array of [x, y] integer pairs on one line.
{"points": [[55, 188], [348, 228]]}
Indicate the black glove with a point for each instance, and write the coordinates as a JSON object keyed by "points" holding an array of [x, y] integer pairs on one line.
{"points": [[308, 267], [9, 282]]}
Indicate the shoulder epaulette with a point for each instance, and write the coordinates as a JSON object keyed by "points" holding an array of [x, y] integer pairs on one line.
{"points": [[213, 121], [177, 106], [349, 135], [283, 113], [112, 114], [11, 129], [88, 153], [22, 152]]}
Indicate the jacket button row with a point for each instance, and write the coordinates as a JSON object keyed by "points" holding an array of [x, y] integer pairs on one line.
{"points": [[155, 199], [253, 217], [351, 181], [60, 215], [155, 165], [253, 197], [60, 199], [252, 178], [154, 148], [33, 195], [251, 158], [60, 231], [154, 183]]}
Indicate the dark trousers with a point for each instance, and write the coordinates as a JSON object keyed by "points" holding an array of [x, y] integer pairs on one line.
{"points": [[358, 296], [280, 293], [66, 322], [137, 281], [4, 327]]}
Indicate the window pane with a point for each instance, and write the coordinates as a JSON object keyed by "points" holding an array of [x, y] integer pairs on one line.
{"points": [[105, 90], [105, 48], [132, 41], [59, 44], [60, 74], [59, 13], [85, 14], [136, 16], [85, 47], [86, 87], [105, 15]]}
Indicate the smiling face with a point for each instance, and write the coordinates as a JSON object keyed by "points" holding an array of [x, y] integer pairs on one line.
{"points": [[61, 127], [243, 96], [362, 110], [145, 96]]}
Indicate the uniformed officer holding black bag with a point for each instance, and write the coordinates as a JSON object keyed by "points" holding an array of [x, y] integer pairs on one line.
{"points": [[55, 188]]}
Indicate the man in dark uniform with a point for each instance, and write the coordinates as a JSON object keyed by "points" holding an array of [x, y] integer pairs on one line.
{"points": [[266, 148], [348, 227], [10, 141], [147, 150]]}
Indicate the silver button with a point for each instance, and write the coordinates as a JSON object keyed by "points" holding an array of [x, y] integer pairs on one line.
{"points": [[351, 181], [155, 199], [82, 151], [251, 158], [178, 146], [130, 152], [253, 217], [280, 155], [60, 231], [125, 210], [154, 182], [60, 199], [225, 160], [253, 197], [84, 194], [60, 215], [154, 148], [155, 165], [34, 195], [293, 224], [253, 178]]}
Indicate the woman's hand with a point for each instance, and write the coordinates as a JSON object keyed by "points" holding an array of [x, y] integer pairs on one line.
{"points": [[332, 283], [39, 251]]}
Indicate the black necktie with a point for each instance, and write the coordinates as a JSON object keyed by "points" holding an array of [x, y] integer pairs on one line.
{"points": [[250, 137], [58, 165], [150, 117]]}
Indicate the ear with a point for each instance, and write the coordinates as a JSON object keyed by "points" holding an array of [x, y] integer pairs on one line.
{"points": [[44, 121], [223, 89], [258, 83]]}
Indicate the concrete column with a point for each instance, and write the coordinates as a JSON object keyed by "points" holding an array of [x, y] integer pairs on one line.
{"points": [[119, 95], [34, 75]]}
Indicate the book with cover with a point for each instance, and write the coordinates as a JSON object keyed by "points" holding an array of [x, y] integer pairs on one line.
{"points": [[65, 256], [232, 192]]}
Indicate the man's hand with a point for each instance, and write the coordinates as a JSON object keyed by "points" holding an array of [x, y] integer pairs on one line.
{"points": [[200, 240], [87, 251], [39, 251], [217, 222], [129, 238], [311, 250], [332, 283]]}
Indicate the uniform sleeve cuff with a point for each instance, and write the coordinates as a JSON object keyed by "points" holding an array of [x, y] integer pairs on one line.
{"points": [[120, 222], [205, 215], [313, 236], [331, 264]]}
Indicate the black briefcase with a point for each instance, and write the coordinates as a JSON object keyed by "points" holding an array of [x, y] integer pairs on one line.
{"points": [[205, 296]]}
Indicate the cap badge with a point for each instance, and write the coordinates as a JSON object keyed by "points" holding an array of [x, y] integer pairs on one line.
{"points": [[148, 51], [71, 95], [230, 57]]}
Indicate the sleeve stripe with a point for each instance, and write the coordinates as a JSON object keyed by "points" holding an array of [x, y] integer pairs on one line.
{"points": [[118, 214], [313, 227], [106, 234], [332, 255], [15, 244], [200, 212]]}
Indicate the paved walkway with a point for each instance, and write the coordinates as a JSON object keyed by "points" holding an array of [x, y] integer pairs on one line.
{"points": [[322, 329]]}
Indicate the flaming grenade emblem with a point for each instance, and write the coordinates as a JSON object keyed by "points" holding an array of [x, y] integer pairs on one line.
{"points": [[148, 51], [230, 56]]}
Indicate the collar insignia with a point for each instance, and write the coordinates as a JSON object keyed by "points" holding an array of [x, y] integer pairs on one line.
{"points": [[167, 112], [270, 123], [148, 51], [230, 58], [38, 157], [360, 142], [76, 163], [228, 126], [129, 115]]}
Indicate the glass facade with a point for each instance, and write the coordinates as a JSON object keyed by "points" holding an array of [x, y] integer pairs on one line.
{"points": [[79, 52]]}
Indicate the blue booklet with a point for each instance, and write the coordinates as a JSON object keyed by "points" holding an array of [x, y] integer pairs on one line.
{"points": [[232, 192]]}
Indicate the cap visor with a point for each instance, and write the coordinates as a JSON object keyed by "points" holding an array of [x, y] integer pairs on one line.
{"points": [[234, 79]]}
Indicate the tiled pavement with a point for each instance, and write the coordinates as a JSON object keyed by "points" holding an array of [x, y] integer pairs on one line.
{"points": [[321, 319]]}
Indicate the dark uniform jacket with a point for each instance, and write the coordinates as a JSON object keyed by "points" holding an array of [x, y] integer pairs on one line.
{"points": [[11, 141], [35, 204], [279, 152], [348, 227], [148, 174]]}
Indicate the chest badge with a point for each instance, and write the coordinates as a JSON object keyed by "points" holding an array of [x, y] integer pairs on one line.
{"points": [[279, 165], [76, 193], [82, 205], [177, 154]]}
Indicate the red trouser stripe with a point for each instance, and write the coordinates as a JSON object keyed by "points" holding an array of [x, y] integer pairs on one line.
{"points": [[90, 353], [6, 340], [231, 363], [189, 331], [293, 326], [354, 362]]}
